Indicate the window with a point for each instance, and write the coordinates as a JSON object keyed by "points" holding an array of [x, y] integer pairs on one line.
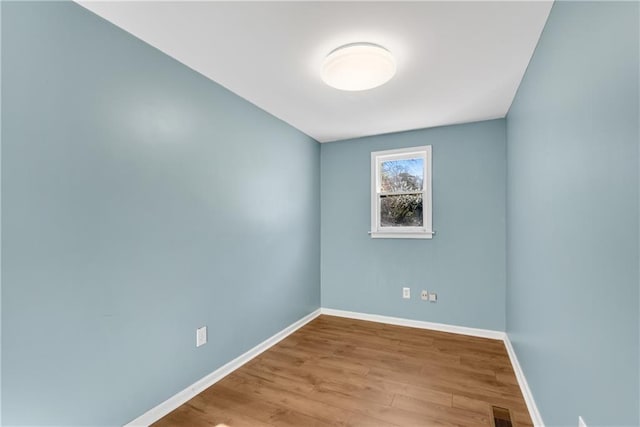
{"points": [[401, 193]]}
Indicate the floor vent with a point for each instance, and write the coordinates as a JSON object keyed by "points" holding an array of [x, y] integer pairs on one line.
{"points": [[501, 417]]}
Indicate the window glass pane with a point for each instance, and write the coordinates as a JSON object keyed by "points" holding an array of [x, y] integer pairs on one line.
{"points": [[402, 175], [401, 211]]}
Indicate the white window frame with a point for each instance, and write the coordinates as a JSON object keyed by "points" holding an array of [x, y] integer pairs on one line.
{"points": [[377, 231]]}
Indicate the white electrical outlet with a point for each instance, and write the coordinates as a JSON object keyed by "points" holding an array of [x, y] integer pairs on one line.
{"points": [[201, 336], [433, 297], [581, 422], [424, 295], [406, 293]]}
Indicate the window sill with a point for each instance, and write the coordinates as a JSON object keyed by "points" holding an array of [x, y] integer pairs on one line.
{"points": [[402, 235]]}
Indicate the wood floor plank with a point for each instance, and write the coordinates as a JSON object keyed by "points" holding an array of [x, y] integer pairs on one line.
{"points": [[345, 372]]}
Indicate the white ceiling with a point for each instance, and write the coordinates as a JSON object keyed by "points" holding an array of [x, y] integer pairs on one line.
{"points": [[457, 61]]}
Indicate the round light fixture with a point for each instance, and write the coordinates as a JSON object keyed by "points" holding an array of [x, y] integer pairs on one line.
{"points": [[358, 66]]}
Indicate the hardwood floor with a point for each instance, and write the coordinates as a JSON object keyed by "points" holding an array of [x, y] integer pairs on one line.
{"points": [[337, 371]]}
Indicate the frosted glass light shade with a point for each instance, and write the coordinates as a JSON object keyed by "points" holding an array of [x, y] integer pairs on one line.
{"points": [[358, 66]]}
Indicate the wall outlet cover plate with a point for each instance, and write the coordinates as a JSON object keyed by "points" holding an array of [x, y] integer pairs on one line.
{"points": [[201, 336]]}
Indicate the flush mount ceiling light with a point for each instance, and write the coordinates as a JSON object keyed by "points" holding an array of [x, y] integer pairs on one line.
{"points": [[358, 66]]}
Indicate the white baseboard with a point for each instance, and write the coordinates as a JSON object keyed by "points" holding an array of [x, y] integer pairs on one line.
{"points": [[462, 330], [188, 393], [536, 418]]}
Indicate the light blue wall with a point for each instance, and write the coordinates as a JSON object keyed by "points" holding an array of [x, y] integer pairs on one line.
{"points": [[572, 306], [464, 263], [140, 201]]}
